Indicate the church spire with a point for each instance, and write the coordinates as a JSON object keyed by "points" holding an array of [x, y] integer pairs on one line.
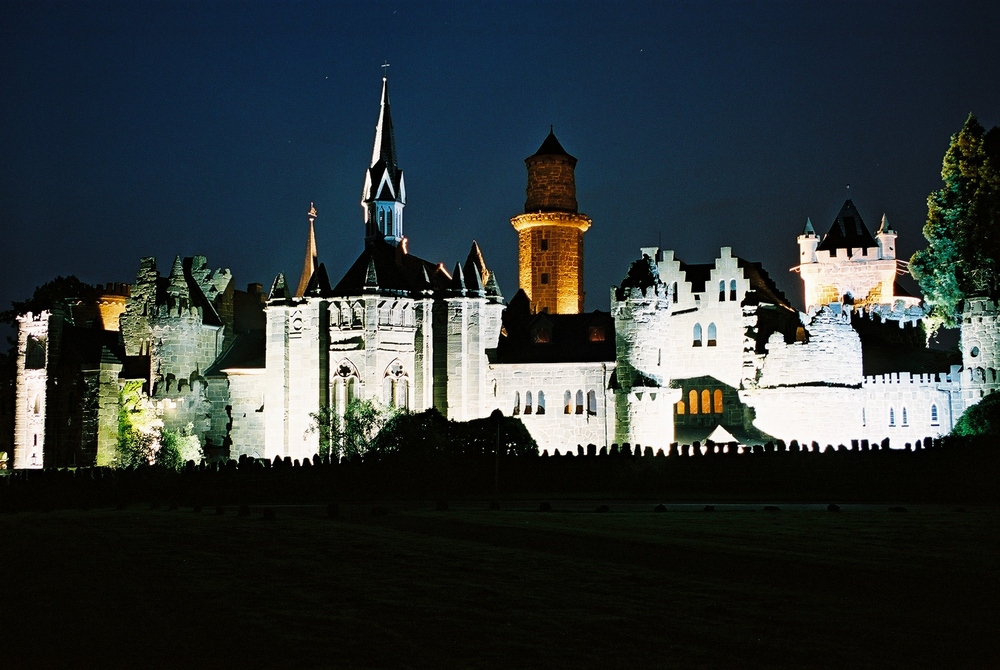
{"points": [[385, 192], [312, 255]]}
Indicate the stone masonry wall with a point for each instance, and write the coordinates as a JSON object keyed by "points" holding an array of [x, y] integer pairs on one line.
{"points": [[551, 184]]}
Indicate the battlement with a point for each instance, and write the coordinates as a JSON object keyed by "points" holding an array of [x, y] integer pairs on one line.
{"points": [[910, 379], [979, 307]]}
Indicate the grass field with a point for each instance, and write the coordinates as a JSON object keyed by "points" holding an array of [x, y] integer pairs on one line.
{"points": [[516, 588]]}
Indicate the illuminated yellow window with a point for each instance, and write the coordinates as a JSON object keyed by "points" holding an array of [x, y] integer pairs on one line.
{"points": [[706, 402], [680, 407], [718, 401], [693, 401]]}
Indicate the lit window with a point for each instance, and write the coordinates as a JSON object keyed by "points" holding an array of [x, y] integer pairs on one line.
{"points": [[680, 407], [693, 401], [542, 336], [711, 334], [717, 398], [697, 338], [706, 402], [568, 402], [595, 334]]}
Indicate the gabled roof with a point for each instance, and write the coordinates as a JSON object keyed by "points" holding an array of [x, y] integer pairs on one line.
{"points": [[848, 231], [248, 351]]}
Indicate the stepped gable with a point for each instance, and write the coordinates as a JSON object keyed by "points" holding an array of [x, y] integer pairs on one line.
{"points": [[554, 338], [398, 272], [848, 231]]}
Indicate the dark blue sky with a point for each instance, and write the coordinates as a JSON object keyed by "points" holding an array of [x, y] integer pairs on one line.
{"points": [[161, 128]]}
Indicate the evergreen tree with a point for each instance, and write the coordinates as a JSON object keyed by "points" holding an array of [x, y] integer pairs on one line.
{"points": [[962, 258]]}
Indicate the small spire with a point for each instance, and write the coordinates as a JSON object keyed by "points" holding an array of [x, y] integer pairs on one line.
{"points": [[493, 288], [279, 289], [312, 254], [458, 280], [809, 230], [177, 284], [884, 227], [371, 277], [475, 282]]}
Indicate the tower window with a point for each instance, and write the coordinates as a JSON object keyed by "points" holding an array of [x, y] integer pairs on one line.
{"points": [[680, 407], [673, 292], [732, 289], [527, 402], [517, 403], [722, 291], [905, 421], [544, 244], [545, 277]]}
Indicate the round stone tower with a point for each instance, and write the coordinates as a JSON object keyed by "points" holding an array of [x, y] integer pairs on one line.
{"points": [[550, 232], [980, 349]]}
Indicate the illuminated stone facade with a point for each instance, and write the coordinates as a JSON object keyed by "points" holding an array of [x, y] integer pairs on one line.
{"points": [[550, 233]]}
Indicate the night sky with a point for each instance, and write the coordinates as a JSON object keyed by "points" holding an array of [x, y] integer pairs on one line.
{"points": [[162, 128]]}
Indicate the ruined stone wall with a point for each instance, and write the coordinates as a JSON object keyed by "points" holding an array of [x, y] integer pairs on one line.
{"points": [[31, 398], [556, 428], [246, 397], [980, 330], [831, 354]]}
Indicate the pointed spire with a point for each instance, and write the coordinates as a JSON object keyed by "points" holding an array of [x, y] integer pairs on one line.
{"points": [[475, 282], [809, 230], [458, 280], [371, 277], [474, 263], [884, 228], [312, 254], [177, 284], [385, 140], [385, 189], [493, 288], [279, 289]]}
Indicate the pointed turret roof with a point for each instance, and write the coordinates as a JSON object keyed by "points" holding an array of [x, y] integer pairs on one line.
{"points": [[458, 280], [385, 140], [884, 227], [551, 147], [474, 263], [848, 231], [809, 230], [279, 288], [319, 283], [312, 254]]}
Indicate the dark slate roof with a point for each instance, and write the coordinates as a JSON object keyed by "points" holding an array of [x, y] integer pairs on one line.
{"points": [[848, 231], [551, 147], [762, 287], [247, 351], [397, 272], [568, 336], [697, 274]]}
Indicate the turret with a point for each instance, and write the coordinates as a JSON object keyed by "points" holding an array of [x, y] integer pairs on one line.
{"points": [[550, 232], [886, 237], [808, 241]]}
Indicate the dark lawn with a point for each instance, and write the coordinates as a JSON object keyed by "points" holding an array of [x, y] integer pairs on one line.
{"points": [[519, 588]]}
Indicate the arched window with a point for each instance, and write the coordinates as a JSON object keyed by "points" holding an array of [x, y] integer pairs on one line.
{"points": [[696, 335], [388, 391], [337, 395], [717, 401], [892, 417], [352, 389], [527, 402], [905, 421], [706, 402], [722, 291], [732, 289], [579, 402], [693, 401], [680, 407], [567, 402], [38, 405], [934, 415], [541, 403], [592, 402], [517, 403], [711, 334]]}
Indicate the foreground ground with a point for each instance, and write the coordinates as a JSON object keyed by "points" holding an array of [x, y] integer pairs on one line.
{"points": [[467, 587]]}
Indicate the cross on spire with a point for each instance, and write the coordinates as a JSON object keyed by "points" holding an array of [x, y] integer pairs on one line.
{"points": [[385, 68]]}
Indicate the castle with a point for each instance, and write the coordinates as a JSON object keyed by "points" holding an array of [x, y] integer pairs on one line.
{"points": [[687, 351]]}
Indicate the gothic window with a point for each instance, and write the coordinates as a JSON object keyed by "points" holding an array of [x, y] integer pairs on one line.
{"points": [[527, 402], [545, 278], [540, 408], [722, 291], [732, 289], [711, 334], [905, 422], [337, 395], [706, 401], [680, 407], [403, 393], [892, 417], [717, 401], [388, 391], [693, 401], [356, 320], [388, 220], [934, 415], [517, 403], [567, 402], [579, 402], [592, 402], [352, 389], [697, 338]]}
